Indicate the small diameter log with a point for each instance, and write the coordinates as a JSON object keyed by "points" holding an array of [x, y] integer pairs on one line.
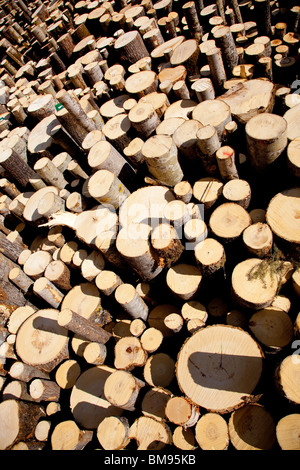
{"points": [[238, 191], [129, 354], [133, 151], [18, 420], [228, 221], [137, 326], [258, 239], [48, 172], [160, 153], [25, 372], [293, 157], [183, 191], [204, 89], [216, 66], [20, 279], [67, 436], [16, 390], [121, 389], [131, 302], [180, 411], [195, 231], [36, 264], [167, 245], [207, 191], [216, 113], [225, 157], [107, 189], [49, 204], [211, 432], [82, 326], [42, 430], [185, 138], [107, 282], [92, 265], [67, 374], [48, 292], [42, 107], [191, 16], [44, 390], [95, 353], [76, 202], [208, 143], [224, 41], [285, 377], [250, 288], [210, 256], [296, 282], [174, 322], [184, 280], [151, 339], [112, 433], [266, 136], [184, 439], [116, 131], [75, 110]]}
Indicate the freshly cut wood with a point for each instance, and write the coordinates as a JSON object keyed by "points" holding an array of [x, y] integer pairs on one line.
{"points": [[186, 138], [150, 434], [67, 436], [211, 112], [224, 40], [286, 378], [292, 118], [273, 328], [144, 119], [186, 54], [216, 67], [281, 216], [174, 74], [18, 421], [180, 411], [48, 171], [184, 439], [161, 156], [75, 109], [20, 279], [41, 342], [44, 390], [95, 353], [114, 106], [107, 281], [250, 98], [225, 157], [154, 403], [238, 191], [158, 52], [127, 296], [67, 374], [207, 191], [85, 327], [258, 239], [42, 106], [180, 109], [266, 136], [133, 151], [286, 432], [151, 339], [129, 354], [116, 130], [219, 381], [296, 281], [210, 256], [184, 280], [260, 434], [106, 188], [130, 47], [167, 245], [18, 316], [92, 265], [211, 432], [228, 221], [112, 433], [36, 264], [121, 389], [141, 83], [44, 288], [293, 157], [16, 167], [194, 310], [252, 289]]}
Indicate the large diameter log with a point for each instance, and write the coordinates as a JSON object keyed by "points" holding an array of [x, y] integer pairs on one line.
{"points": [[18, 421], [228, 221], [160, 154], [266, 136], [219, 367], [130, 47], [41, 342], [187, 54]]}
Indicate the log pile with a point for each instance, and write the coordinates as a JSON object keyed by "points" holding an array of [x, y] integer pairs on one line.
{"points": [[149, 225]]}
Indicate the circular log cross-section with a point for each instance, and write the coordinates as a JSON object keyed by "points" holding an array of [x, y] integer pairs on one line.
{"points": [[218, 367]]}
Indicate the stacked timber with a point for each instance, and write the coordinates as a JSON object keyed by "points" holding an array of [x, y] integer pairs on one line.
{"points": [[149, 225]]}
